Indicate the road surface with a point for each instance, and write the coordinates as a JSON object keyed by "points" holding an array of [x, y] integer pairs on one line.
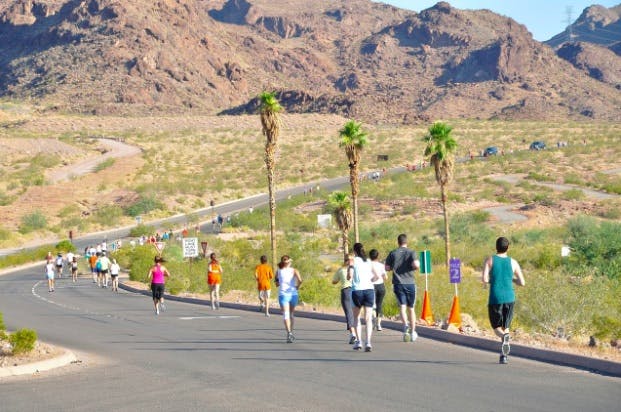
{"points": [[194, 359]]}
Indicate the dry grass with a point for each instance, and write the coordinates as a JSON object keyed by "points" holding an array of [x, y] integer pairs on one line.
{"points": [[188, 161]]}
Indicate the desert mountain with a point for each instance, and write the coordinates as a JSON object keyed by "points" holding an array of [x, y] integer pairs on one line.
{"points": [[592, 44], [352, 57]]}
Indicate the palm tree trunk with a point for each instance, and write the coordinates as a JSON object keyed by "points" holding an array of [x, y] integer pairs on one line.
{"points": [[272, 203], [447, 242], [353, 179], [345, 243]]}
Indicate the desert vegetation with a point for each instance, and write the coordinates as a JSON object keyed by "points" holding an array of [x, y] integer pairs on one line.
{"points": [[186, 164]]}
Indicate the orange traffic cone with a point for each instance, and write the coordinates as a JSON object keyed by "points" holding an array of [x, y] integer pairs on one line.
{"points": [[455, 316], [426, 314]]}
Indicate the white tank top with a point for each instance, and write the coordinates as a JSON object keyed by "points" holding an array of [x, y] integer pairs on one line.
{"points": [[287, 281], [362, 275]]}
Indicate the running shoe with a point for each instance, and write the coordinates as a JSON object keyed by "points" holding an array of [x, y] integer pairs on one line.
{"points": [[157, 311], [506, 348], [407, 334], [162, 306], [368, 348], [267, 315], [352, 339], [357, 345], [413, 336], [379, 325], [290, 337], [503, 360]]}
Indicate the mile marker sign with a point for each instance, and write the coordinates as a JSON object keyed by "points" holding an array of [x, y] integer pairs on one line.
{"points": [[190, 247]]}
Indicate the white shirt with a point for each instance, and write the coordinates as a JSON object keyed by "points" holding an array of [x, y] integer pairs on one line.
{"points": [[362, 275], [379, 269], [114, 269], [287, 281]]}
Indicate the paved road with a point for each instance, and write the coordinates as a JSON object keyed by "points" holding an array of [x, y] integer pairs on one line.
{"points": [[192, 358]]}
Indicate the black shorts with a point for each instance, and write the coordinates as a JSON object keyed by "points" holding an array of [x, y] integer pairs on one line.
{"points": [[500, 315], [157, 289]]}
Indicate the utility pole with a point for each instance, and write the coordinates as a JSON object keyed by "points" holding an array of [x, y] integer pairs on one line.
{"points": [[570, 29]]}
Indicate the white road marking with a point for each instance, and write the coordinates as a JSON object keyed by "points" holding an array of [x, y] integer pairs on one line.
{"points": [[208, 317]]}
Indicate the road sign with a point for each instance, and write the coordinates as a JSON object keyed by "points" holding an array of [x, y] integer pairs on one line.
{"points": [[160, 247], [190, 247], [204, 247], [455, 270], [425, 262]]}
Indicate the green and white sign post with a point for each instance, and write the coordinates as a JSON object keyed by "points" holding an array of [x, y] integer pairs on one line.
{"points": [[425, 268]]}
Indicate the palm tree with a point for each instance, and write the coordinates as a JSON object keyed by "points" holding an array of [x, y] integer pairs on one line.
{"points": [[270, 122], [441, 151], [353, 139], [340, 206]]}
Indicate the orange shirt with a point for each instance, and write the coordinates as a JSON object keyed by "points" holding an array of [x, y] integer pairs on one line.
{"points": [[92, 260], [264, 274], [214, 274]]}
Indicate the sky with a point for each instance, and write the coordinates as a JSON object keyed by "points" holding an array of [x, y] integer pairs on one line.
{"points": [[543, 18]]}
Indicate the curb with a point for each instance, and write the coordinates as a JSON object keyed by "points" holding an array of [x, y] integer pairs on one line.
{"points": [[594, 365], [41, 366]]}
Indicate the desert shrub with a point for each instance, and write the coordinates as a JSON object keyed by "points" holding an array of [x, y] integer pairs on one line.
{"points": [[65, 246], [5, 234], [104, 165], [141, 230], [607, 327], [5, 199], [23, 341], [145, 204], [573, 194], [33, 221], [539, 177], [596, 245], [108, 215], [611, 212], [318, 290]]}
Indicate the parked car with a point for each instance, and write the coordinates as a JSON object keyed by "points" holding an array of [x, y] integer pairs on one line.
{"points": [[490, 151], [537, 145]]}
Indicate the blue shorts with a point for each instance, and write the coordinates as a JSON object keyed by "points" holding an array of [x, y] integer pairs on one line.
{"points": [[405, 294], [364, 298], [288, 299]]}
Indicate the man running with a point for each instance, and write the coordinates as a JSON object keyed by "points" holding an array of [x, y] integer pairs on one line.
{"points": [[263, 274], [501, 271], [403, 262]]}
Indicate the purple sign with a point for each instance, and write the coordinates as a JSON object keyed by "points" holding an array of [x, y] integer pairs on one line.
{"points": [[455, 270]]}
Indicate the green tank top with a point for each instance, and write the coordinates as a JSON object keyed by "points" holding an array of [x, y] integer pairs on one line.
{"points": [[501, 281]]}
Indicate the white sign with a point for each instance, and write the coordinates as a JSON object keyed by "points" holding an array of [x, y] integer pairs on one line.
{"points": [[565, 251], [190, 247], [324, 221]]}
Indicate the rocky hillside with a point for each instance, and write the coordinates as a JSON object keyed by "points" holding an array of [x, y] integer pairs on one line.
{"points": [[592, 44], [356, 58]]}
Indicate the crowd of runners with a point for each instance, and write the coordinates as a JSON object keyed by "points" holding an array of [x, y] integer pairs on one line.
{"points": [[361, 280]]}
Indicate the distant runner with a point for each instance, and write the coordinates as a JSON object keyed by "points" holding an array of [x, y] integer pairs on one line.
{"points": [[264, 274], [157, 275]]}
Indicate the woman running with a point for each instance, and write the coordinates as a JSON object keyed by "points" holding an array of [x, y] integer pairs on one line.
{"points": [[214, 279], [50, 272], [379, 270], [115, 268], [343, 277], [157, 275], [363, 296], [288, 281]]}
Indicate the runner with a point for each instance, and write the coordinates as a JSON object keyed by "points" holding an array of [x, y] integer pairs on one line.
{"points": [[214, 279], [92, 262], [403, 262], [288, 281], [59, 265], [104, 268], [157, 275], [49, 275], [501, 271], [263, 274], [379, 271], [363, 296], [343, 277], [114, 273], [74, 269]]}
